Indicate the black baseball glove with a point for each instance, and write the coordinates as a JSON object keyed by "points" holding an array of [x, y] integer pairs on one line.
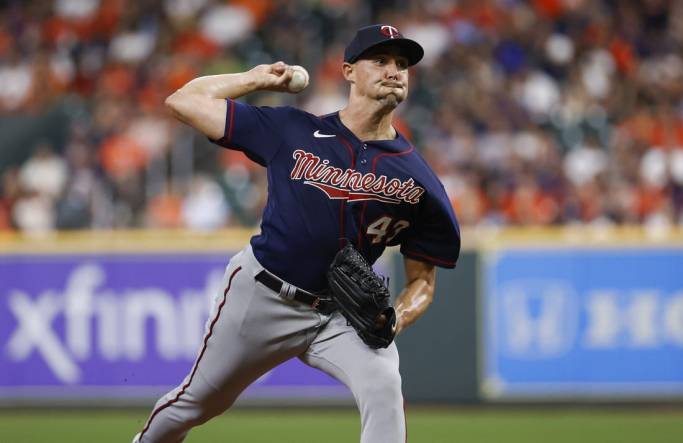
{"points": [[362, 297]]}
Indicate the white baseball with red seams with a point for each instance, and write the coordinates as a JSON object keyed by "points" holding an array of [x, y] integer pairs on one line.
{"points": [[299, 79]]}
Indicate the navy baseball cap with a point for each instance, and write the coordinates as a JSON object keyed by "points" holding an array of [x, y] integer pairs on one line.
{"points": [[379, 35]]}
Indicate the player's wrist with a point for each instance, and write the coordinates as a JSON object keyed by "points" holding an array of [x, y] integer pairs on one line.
{"points": [[251, 81]]}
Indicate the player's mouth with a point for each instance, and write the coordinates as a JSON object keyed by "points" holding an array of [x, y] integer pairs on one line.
{"points": [[392, 85]]}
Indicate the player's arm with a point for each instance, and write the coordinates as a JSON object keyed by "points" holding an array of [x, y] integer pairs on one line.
{"points": [[417, 294], [201, 102]]}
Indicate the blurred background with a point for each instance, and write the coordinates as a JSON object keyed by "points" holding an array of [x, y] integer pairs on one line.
{"points": [[539, 112], [556, 127]]}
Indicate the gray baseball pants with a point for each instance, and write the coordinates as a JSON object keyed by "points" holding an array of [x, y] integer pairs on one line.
{"points": [[250, 330]]}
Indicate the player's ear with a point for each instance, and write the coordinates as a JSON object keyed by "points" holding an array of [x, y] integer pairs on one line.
{"points": [[349, 72]]}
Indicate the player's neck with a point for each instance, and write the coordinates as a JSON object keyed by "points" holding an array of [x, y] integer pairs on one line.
{"points": [[367, 123]]}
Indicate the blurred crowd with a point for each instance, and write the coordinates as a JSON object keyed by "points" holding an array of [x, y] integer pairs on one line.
{"points": [[536, 112]]}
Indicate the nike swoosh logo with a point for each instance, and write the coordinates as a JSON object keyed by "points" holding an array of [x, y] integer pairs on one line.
{"points": [[318, 134]]}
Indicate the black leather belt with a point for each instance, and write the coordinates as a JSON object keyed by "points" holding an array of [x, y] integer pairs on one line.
{"points": [[290, 292]]}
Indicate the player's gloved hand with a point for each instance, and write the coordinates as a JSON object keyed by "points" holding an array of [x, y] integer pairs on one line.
{"points": [[274, 77], [362, 297]]}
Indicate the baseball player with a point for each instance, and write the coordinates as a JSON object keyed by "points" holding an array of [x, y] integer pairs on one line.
{"points": [[346, 177]]}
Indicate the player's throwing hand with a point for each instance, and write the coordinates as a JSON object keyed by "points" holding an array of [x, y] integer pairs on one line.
{"points": [[274, 77]]}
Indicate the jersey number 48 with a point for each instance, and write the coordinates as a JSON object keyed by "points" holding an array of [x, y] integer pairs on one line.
{"points": [[383, 226]]}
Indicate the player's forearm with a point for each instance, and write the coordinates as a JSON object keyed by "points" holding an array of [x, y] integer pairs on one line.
{"points": [[413, 302], [201, 102], [222, 86]]}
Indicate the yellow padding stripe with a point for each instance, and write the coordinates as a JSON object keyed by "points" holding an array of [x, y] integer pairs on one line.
{"points": [[124, 241]]}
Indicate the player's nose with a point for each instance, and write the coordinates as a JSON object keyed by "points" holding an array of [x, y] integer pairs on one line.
{"points": [[391, 69]]}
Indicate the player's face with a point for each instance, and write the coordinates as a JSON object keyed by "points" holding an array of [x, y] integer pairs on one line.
{"points": [[382, 74]]}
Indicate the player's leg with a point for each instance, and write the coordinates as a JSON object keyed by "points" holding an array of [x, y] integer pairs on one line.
{"points": [[371, 374], [243, 340]]}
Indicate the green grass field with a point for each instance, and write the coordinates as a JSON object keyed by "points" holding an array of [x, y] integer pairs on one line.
{"points": [[336, 426]]}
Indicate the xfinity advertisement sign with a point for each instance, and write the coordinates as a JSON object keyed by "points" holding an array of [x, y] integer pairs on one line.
{"points": [[119, 325], [583, 322]]}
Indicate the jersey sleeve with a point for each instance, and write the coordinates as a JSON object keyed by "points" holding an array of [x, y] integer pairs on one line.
{"points": [[254, 130], [435, 238]]}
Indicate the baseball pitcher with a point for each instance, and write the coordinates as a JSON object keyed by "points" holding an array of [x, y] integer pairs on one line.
{"points": [[341, 187]]}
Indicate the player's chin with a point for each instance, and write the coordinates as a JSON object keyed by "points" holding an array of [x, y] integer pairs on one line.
{"points": [[392, 99]]}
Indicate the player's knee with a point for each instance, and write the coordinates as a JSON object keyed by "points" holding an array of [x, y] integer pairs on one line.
{"points": [[195, 410], [383, 387], [203, 413]]}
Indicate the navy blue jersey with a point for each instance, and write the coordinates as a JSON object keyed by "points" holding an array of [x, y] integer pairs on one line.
{"points": [[325, 185]]}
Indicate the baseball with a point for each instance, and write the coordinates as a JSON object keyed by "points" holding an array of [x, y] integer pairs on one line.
{"points": [[299, 79]]}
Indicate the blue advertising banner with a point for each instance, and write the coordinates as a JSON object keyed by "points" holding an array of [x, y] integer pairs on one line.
{"points": [[125, 325], [583, 322]]}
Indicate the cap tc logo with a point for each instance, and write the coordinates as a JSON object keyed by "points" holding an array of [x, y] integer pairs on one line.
{"points": [[390, 31]]}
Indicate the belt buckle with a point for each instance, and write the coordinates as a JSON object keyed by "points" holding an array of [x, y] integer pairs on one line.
{"points": [[315, 303], [287, 291]]}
